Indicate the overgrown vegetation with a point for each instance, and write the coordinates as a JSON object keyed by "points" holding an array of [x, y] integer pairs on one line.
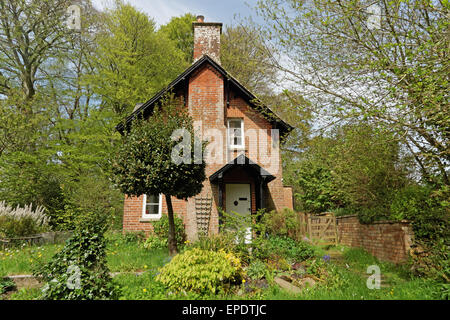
{"points": [[21, 222], [158, 239], [344, 277], [79, 271], [284, 223]]}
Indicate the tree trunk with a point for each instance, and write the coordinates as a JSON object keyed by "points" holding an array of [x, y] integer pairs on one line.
{"points": [[172, 241]]}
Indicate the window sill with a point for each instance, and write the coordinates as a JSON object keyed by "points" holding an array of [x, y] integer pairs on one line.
{"points": [[145, 220]]}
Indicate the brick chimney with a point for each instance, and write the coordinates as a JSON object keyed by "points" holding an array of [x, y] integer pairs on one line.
{"points": [[207, 39]]}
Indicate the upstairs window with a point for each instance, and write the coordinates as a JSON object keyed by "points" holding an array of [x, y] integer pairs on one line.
{"points": [[152, 206], [236, 133]]}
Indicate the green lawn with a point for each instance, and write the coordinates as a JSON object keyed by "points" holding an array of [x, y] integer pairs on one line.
{"points": [[347, 265]]}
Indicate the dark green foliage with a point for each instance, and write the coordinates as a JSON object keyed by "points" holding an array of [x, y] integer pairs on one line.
{"points": [[422, 206], [429, 216], [143, 163], [82, 259], [161, 228], [357, 167], [11, 228], [6, 284], [317, 185], [369, 215]]}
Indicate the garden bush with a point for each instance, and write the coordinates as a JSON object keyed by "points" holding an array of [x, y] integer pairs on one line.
{"points": [[222, 241], [285, 247], [21, 222], [257, 270], [161, 229], [132, 237], [79, 271], [155, 243], [429, 216], [424, 209], [202, 271], [285, 223]]}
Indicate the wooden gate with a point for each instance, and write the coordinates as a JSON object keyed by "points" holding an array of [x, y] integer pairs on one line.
{"points": [[322, 228]]}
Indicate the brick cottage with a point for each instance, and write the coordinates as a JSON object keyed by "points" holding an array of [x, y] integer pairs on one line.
{"points": [[244, 172]]}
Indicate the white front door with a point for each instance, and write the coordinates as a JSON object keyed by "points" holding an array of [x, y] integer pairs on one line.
{"points": [[238, 200]]}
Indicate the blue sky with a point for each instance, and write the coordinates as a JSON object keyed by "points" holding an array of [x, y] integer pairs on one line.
{"points": [[213, 10]]}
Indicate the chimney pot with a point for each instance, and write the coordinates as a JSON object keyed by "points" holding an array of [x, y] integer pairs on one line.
{"points": [[200, 19]]}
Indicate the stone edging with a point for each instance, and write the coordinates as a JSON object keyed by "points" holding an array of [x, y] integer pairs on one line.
{"points": [[30, 276]]}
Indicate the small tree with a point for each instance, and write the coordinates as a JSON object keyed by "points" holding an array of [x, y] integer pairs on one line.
{"points": [[144, 163]]}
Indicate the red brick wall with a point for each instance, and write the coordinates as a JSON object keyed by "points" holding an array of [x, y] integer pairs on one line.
{"points": [[385, 240], [132, 213], [288, 198]]}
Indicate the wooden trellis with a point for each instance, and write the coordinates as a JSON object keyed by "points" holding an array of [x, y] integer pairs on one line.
{"points": [[322, 228], [203, 207]]}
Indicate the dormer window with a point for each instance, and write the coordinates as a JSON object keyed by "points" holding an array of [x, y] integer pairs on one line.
{"points": [[236, 133]]}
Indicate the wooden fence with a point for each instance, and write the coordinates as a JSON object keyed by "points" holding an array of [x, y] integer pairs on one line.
{"points": [[38, 239], [318, 228]]}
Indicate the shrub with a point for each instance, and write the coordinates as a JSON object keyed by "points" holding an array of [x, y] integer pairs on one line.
{"points": [[217, 242], [201, 271], [257, 270], [285, 223], [20, 222], [153, 243], [132, 237], [79, 271], [422, 207], [161, 228], [369, 215], [283, 247], [428, 212]]}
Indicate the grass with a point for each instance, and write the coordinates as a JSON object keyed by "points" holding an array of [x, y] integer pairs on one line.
{"points": [[347, 268], [20, 260], [124, 256]]}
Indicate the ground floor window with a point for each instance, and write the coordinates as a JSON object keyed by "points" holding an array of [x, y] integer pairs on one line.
{"points": [[152, 206]]}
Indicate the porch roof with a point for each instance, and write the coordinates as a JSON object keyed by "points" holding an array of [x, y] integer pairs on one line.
{"points": [[243, 162]]}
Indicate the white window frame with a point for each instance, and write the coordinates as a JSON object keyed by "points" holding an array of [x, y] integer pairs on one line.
{"points": [[229, 140], [151, 216]]}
